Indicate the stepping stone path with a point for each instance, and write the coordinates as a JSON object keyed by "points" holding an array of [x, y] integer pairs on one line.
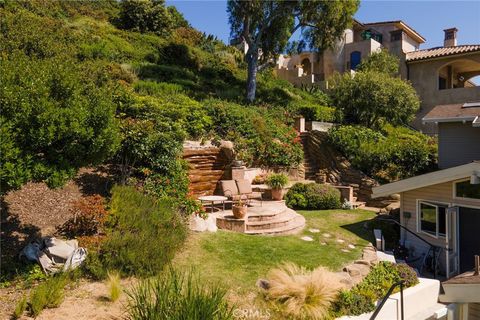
{"points": [[326, 235], [314, 230], [355, 272], [351, 246], [340, 241], [307, 238], [323, 243]]}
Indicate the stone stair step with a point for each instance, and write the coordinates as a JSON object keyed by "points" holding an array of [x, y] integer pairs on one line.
{"points": [[254, 215], [279, 221], [295, 226]]}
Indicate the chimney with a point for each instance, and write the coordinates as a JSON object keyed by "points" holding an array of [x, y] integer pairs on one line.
{"points": [[450, 37]]}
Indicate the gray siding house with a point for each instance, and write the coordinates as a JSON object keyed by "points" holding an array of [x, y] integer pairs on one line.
{"points": [[458, 133], [443, 207]]}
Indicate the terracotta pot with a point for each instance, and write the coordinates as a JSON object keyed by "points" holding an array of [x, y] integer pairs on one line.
{"points": [[277, 194], [239, 212]]}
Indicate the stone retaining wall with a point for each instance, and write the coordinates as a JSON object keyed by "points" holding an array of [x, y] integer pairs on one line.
{"points": [[207, 165]]}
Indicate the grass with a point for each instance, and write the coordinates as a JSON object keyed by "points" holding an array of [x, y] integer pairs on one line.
{"points": [[20, 307], [48, 294], [114, 286], [238, 261]]}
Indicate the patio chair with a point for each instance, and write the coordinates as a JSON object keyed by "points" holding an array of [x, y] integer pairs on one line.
{"points": [[239, 189]]}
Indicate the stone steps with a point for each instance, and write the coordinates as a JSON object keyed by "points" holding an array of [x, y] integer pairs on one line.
{"points": [[292, 227], [273, 218], [281, 220]]}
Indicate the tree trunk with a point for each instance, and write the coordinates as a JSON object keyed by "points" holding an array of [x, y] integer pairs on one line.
{"points": [[252, 60]]}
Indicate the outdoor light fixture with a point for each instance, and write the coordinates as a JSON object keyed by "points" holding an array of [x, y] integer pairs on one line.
{"points": [[475, 177]]}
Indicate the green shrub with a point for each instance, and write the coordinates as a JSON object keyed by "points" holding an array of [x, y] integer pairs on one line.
{"points": [[388, 155], [313, 111], [144, 233], [361, 298], [177, 296], [313, 196], [94, 267], [56, 120], [20, 307], [372, 99], [277, 181], [48, 294]]}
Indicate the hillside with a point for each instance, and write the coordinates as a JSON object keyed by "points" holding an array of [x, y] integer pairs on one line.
{"points": [[80, 91]]}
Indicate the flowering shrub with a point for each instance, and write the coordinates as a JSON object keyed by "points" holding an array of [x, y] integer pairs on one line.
{"points": [[89, 217]]}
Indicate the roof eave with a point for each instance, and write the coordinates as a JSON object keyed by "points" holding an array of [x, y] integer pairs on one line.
{"points": [[425, 180], [442, 56], [451, 119]]}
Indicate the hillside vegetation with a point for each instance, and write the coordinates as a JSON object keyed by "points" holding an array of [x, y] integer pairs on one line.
{"points": [[77, 90], [84, 83]]}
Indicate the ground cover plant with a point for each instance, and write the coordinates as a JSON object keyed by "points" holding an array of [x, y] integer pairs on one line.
{"points": [[374, 286]]}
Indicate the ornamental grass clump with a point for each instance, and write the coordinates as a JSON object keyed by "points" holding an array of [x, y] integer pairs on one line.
{"points": [[300, 293], [114, 286], [277, 180], [177, 295]]}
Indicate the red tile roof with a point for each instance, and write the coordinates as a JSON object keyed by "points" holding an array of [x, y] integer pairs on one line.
{"points": [[452, 112], [440, 52]]}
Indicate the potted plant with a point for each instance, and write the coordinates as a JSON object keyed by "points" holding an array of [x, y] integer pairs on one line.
{"points": [[277, 181], [239, 208]]}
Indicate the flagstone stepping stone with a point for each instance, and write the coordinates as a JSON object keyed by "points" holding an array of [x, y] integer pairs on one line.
{"points": [[340, 241], [351, 246], [307, 238], [323, 243], [314, 230], [326, 235], [345, 250]]}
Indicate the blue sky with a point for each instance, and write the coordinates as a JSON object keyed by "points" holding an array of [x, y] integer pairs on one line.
{"points": [[429, 18]]}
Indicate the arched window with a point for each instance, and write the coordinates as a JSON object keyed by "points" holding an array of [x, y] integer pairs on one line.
{"points": [[355, 59], [461, 73], [307, 66]]}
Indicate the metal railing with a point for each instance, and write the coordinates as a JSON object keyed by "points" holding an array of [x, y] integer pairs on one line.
{"points": [[385, 298], [432, 248]]}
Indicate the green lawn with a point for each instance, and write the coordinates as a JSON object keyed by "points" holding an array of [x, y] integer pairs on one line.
{"points": [[237, 260]]}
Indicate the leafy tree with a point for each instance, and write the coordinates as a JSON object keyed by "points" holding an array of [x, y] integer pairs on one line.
{"points": [[145, 16], [295, 47], [381, 61], [178, 20], [372, 98], [268, 25]]}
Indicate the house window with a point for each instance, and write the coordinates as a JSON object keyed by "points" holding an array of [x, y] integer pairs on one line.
{"points": [[355, 59], [396, 35], [465, 189], [432, 218]]}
